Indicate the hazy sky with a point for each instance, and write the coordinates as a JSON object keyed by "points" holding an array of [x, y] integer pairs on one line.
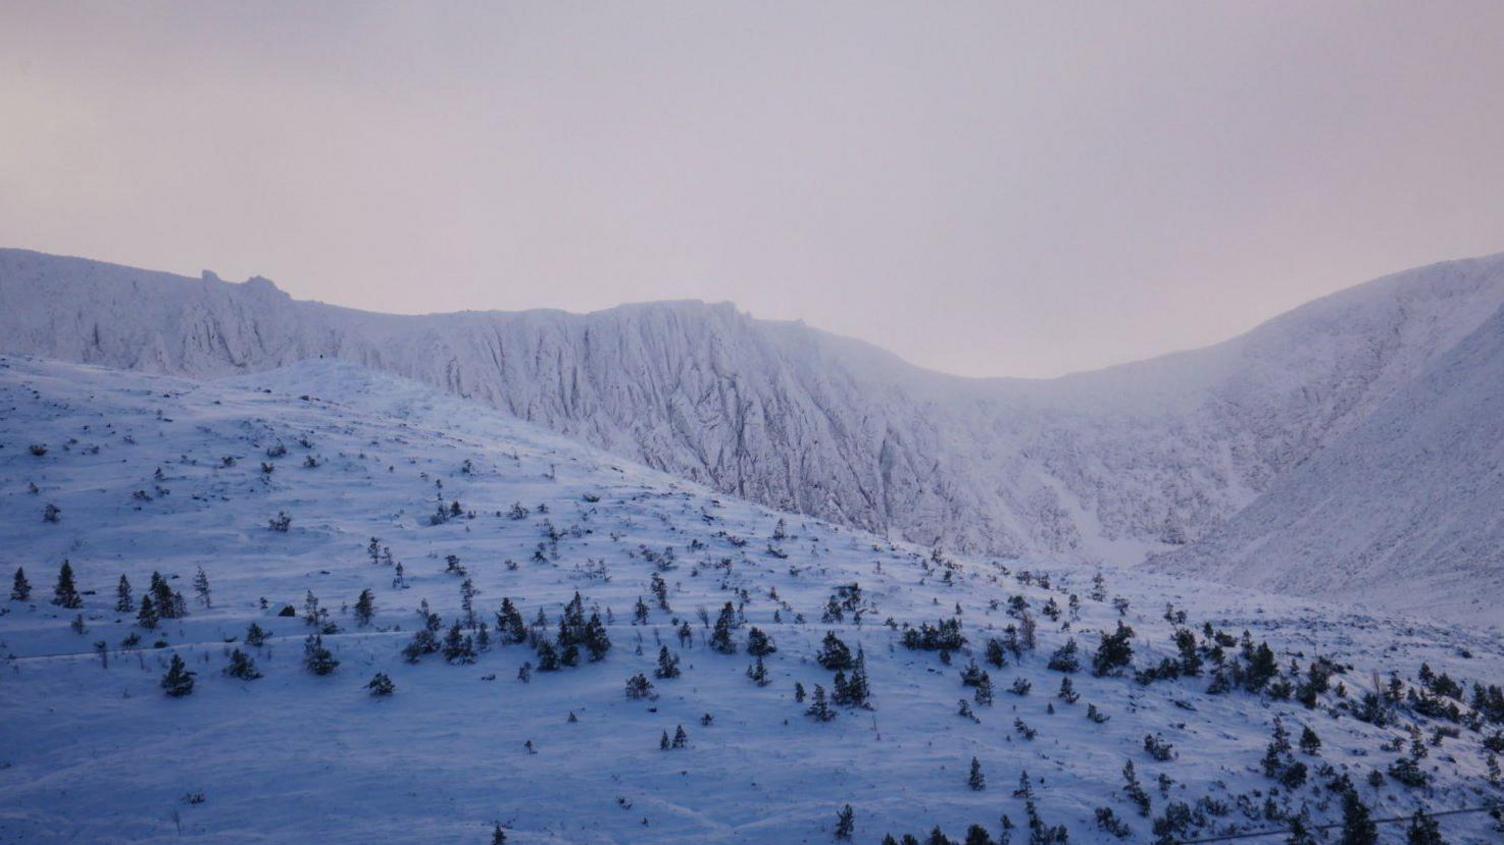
{"points": [[990, 189]]}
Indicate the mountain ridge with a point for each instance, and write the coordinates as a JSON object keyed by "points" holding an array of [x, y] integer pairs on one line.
{"points": [[1104, 465]]}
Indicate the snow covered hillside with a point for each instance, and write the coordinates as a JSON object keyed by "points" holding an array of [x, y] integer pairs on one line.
{"points": [[1404, 511], [1099, 466], [267, 504]]}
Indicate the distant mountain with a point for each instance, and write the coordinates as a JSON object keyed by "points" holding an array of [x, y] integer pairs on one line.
{"points": [[1107, 465], [1405, 511]]}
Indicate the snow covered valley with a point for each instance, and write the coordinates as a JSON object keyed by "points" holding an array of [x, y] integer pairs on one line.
{"points": [[269, 502]]}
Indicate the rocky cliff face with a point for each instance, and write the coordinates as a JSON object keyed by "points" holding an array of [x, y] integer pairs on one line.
{"points": [[1111, 465]]}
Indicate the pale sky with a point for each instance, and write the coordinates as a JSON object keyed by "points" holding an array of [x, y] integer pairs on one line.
{"points": [[986, 189]]}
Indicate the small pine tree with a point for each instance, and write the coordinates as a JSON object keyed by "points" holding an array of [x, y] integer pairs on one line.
{"points": [[759, 644], [255, 636], [201, 588], [20, 587], [381, 686], [758, 673], [721, 640], [498, 836], [242, 666], [681, 739], [317, 659], [819, 707], [1423, 830], [147, 616], [365, 608], [66, 594], [1114, 652], [1310, 743], [123, 601], [178, 681], [1358, 827], [668, 664], [977, 781], [846, 818]]}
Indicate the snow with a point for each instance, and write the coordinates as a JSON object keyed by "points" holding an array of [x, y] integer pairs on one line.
{"points": [[1096, 467], [93, 754], [1402, 511]]}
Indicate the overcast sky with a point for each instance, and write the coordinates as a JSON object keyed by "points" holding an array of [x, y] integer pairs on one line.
{"points": [[989, 189]]}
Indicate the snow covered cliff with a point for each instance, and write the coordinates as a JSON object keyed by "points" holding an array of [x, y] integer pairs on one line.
{"points": [[1107, 465]]}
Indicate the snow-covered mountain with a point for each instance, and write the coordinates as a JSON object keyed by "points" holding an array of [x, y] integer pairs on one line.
{"points": [[1104, 465], [1406, 510], [286, 494]]}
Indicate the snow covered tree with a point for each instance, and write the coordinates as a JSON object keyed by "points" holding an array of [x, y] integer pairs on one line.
{"points": [[201, 587], [819, 707], [147, 616], [255, 636], [1065, 658], [458, 646], [381, 685], [846, 818], [1310, 743], [721, 640], [65, 594], [498, 836], [509, 624], [1358, 827], [1114, 652], [317, 659], [759, 644], [759, 673], [1423, 830], [976, 780], [20, 589], [1067, 692], [123, 601], [365, 607], [668, 664], [548, 656], [596, 641], [178, 681], [639, 687], [834, 655], [242, 666]]}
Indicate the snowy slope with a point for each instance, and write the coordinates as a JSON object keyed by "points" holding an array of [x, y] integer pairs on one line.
{"points": [[91, 752], [1097, 466], [1403, 512]]}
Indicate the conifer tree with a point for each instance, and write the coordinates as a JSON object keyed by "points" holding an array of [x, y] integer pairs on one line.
{"points": [[1423, 830], [681, 739], [1310, 743], [242, 666], [846, 818], [1114, 652], [147, 617], [365, 607], [255, 636], [759, 644], [978, 835], [596, 641], [458, 646], [819, 707], [317, 659], [178, 681], [20, 587], [65, 594], [668, 664], [498, 836], [123, 601], [381, 685], [201, 587], [509, 624], [548, 657], [758, 673], [834, 655], [1358, 827], [721, 640], [977, 781]]}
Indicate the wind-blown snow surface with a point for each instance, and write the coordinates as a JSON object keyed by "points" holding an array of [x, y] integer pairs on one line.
{"points": [[1098, 466], [96, 754], [1406, 511]]}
